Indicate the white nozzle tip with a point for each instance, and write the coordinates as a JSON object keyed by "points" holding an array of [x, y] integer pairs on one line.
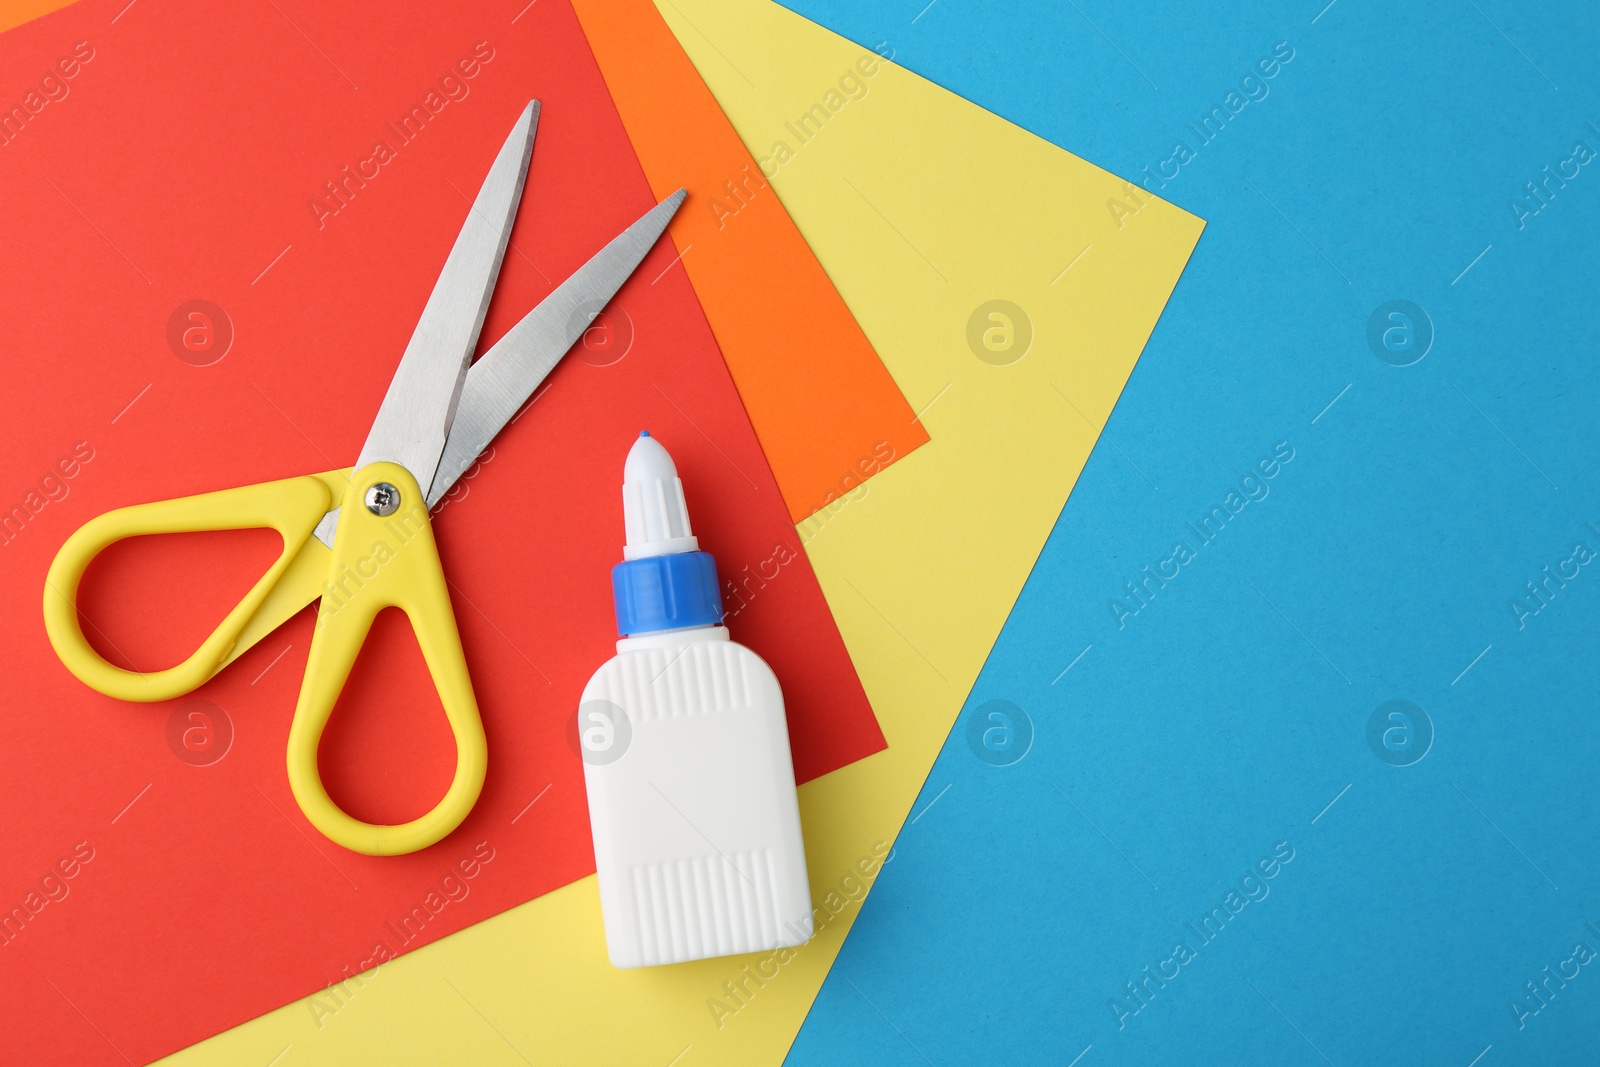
{"points": [[647, 459], [653, 508]]}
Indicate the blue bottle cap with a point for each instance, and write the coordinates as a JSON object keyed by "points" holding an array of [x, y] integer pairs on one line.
{"points": [[666, 592]]}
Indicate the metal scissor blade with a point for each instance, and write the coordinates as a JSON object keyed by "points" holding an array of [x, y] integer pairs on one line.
{"points": [[419, 409], [503, 378]]}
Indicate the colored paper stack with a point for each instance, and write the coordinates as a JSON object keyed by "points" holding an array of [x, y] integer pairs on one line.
{"points": [[883, 339]]}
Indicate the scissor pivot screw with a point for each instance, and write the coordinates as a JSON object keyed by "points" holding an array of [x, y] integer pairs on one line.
{"points": [[383, 499]]}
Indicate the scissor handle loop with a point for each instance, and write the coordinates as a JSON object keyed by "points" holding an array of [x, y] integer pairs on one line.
{"points": [[292, 507], [382, 561]]}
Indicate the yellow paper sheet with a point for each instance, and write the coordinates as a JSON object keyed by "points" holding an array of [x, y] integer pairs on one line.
{"points": [[922, 208]]}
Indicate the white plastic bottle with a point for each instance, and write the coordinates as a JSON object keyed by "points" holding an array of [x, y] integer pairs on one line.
{"points": [[686, 755]]}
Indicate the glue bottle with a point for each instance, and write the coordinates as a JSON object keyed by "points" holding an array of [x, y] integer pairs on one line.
{"points": [[686, 754]]}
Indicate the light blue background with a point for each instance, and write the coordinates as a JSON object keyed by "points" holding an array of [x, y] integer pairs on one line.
{"points": [[1228, 713]]}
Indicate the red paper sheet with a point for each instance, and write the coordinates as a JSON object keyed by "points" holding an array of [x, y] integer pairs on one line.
{"points": [[178, 153]]}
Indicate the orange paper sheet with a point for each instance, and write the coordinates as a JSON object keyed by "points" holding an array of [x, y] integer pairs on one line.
{"points": [[826, 411]]}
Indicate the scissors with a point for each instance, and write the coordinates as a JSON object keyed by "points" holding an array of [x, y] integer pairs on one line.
{"points": [[360, 538]]}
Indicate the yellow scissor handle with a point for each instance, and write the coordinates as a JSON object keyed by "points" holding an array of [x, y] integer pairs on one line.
{"points": [[382, 561], [292, 507]]}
